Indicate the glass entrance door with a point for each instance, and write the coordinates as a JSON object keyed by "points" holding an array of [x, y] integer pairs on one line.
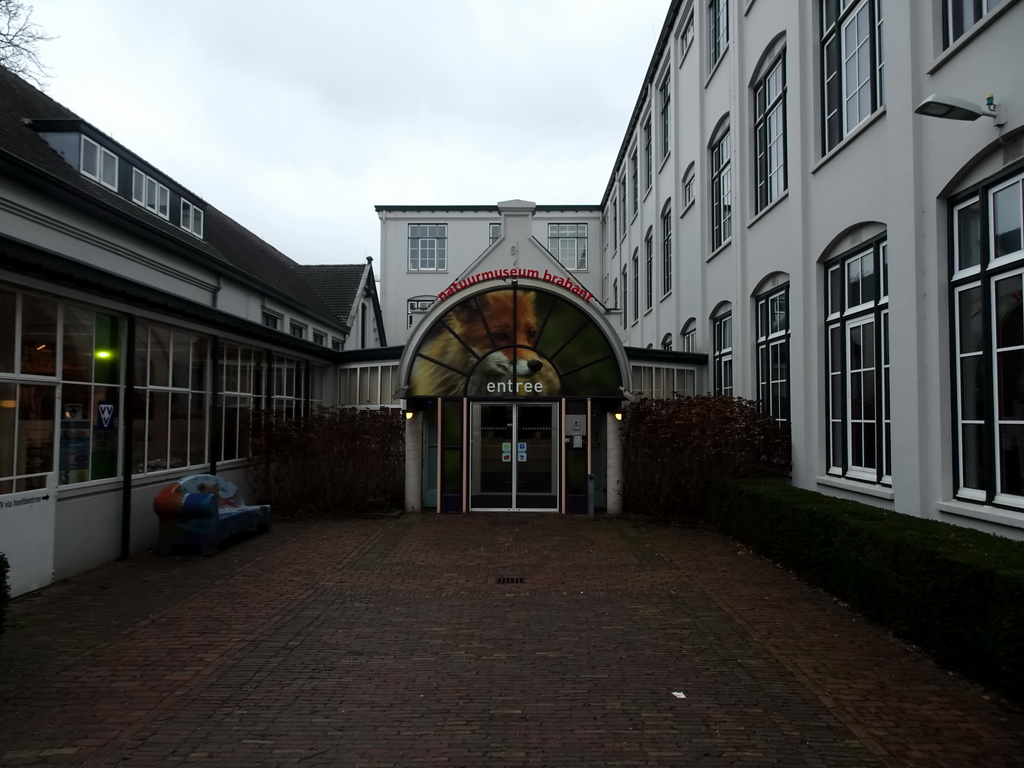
{"points": [[514, 456]]}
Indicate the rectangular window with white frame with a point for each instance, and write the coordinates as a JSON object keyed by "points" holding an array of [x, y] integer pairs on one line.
{"points": [[170, 399], [622, 203], [852, 64], [241, 389], [151, 194], [634, 174], [772, 355], [721, 192], [666, 251], [568, 244], [718, 30], [986, 290], [688, 189], [191, 218], [636, 285], [428, 247], [688, 343], [98, 163], [648, 156], [494, 233], [857, 354], [625, 295], [960, 15], [770, 179], [665, 99], [686, 37], [288, 386], [649, 271], [722, 354]]}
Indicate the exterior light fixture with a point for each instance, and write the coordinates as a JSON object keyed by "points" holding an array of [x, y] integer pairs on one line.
{"points": [[952, 108], [618, 415], [409, 415], [103, 354]]}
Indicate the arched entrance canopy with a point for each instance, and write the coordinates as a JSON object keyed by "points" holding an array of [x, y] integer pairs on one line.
{"points": [[520, 338]]}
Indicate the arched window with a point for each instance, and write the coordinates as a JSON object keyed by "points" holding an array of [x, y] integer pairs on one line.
{"points": [[768, 91], [720, 163], [688, 336], [857, 355], [987, 344], [721, 333], [666, 249], [771, 344]]}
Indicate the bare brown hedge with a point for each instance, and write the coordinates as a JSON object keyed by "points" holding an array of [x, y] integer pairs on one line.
{"points": [[334, 461], [671, 448]]}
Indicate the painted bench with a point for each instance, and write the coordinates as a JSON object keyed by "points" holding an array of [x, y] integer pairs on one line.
{"points": [[202, 511]]}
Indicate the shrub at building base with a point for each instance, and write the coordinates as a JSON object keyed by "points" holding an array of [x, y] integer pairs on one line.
{"points": [[336, 460], [671, 448], [952, 591], [5, 589]]}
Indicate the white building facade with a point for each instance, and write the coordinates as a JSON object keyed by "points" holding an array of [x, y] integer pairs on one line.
{"points": [[782, 224]]}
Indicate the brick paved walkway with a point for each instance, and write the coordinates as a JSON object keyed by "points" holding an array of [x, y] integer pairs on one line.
{"points": [[392, 643]]}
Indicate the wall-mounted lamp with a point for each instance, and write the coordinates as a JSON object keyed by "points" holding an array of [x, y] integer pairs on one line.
{"points": [[409, 415], [952, 108], [618, 415]]}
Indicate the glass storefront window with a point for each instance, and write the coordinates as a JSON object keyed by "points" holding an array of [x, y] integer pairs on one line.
{"points": [[38, 336], [8, 327]]}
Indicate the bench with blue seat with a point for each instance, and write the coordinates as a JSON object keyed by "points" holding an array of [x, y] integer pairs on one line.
{"points": [[204, 510]]}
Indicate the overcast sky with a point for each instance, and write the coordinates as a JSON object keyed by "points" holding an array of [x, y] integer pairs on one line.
{"points": [[295, 118]]}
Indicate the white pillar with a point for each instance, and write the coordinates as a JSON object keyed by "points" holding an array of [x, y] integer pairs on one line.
{"points": [[414, 463], [613, 470]]}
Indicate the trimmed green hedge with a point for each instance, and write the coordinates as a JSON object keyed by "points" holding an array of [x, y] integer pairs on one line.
{"points": [[5, 590], [956, 593]]}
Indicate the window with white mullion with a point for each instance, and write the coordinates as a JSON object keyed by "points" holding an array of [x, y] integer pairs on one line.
{"points": [[150, 194], [961, 15], [568, 244], [721, 193], [861, 401], [971, 391], [634, 175], [722, 354], [1008, 385], [649, 269], [666, 251], [665, 93], [689, 339], [98, 163], [836, 388], [858, 367], [770, 134], [625, 295], [648, 155], [636, 285], [772, 355], [1007, 224], [886, 441], [718, 30], [428, 247], [967, 238], [852, 61], [856, 42], [622, 202]]}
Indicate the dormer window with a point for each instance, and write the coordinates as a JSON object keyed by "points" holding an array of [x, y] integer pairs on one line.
{"points": [[151, 194], [191, 218], [99, 164]]}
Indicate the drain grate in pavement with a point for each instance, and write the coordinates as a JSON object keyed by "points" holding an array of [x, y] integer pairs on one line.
{"points": [[509, 580]]}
